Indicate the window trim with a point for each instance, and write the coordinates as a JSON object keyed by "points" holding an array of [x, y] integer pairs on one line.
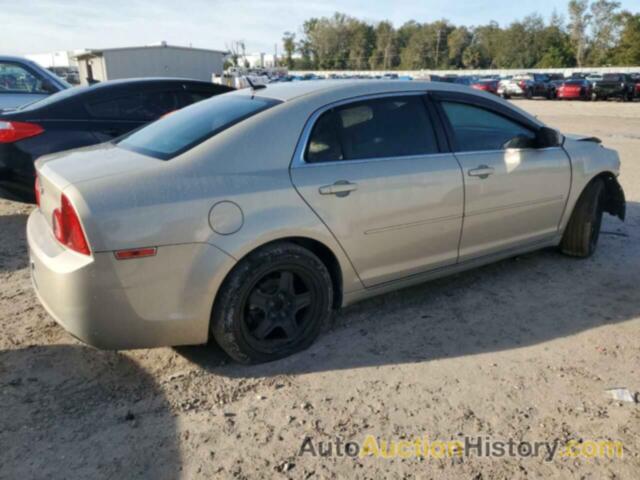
{"points": [[34, 73], [303, 143], [490, 106]]}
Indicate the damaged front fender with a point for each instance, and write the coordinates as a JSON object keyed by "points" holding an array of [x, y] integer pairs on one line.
{"points": [[615, 202]]}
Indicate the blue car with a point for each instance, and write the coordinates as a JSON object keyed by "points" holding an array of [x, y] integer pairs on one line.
{"points": [[23, 81]]}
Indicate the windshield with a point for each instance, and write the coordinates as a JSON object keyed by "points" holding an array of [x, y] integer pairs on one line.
{"points": [[186, 128]]}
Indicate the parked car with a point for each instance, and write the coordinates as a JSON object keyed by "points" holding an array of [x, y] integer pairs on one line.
{"points": [[575, 89], [613, 85], [200, 224], [636, 80], [23, 81], [85, 116], [527, 86], [490, 85], [68, 74]]}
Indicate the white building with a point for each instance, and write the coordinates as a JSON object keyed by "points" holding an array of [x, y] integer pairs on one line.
{"points": [[151, 61], [61, 58]]}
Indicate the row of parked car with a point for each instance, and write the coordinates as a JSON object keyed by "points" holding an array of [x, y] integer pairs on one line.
{"points": [[553, 86]]}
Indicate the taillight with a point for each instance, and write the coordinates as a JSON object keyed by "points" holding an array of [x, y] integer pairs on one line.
{"points": [[14, 131], [36, 188], [523, 85], [67, 228]]}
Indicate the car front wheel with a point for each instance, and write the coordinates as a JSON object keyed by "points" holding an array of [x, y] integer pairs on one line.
{"points": [[583, 230], [273, 304]]}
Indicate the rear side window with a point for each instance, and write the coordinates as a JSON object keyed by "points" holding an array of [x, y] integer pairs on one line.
{"points": [[478, 129], [378, 128], [192, 125], [144, 106]]}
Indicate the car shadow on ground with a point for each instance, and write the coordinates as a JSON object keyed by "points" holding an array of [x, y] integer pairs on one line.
{"points": [[527, 300], [75, 412], [13, 242]]}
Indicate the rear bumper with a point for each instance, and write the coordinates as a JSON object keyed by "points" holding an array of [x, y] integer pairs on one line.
{"points": [[571, 95], [157, 301]]}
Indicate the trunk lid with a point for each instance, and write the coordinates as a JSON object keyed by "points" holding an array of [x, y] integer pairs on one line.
{"points": [[57, 171]]}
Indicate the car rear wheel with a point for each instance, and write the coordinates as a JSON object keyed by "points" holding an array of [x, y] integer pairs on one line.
{"points": [[273, 304], [583, 230]]}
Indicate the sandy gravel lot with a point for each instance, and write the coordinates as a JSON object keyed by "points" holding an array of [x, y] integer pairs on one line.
{"points": [[522, 350]]}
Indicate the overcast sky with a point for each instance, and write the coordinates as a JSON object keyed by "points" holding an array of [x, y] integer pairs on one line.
{"points": [[38, 26]]}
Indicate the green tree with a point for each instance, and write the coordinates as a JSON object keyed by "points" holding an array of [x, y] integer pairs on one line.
{"points": [[385, 53], [361, 44], [605, 28], [579, 20], [628, 50], [289, 43], [459, 40]]}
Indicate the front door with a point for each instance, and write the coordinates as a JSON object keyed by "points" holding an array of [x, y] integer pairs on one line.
{"points": [[373, 172], [515, 194]]}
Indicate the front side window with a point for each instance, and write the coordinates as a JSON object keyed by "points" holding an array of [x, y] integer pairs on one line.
{"points": [[16, 79], [186, 128], [378, 128], [477, 129]]}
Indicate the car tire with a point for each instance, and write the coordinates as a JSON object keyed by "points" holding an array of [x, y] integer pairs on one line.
{"points": [[257, 315], [580, 238]]}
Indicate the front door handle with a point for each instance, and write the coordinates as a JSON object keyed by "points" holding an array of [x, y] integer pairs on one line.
{"points": [[341, 188], [483, 171]]}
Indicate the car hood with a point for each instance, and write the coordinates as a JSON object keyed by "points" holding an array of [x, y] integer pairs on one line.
{"points": [[90, 163]]}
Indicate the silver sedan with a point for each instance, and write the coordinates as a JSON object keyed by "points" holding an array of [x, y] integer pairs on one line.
{"points": [[251, 216]]}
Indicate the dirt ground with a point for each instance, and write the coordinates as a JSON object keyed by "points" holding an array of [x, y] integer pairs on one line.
{"points": [[521, 350]]}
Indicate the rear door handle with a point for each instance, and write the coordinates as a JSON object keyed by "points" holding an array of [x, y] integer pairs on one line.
{"points": [[341, 188], [483, 171]]}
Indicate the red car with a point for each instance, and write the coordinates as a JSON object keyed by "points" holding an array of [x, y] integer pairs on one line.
{"points": [[490, 86], [575, 89]]}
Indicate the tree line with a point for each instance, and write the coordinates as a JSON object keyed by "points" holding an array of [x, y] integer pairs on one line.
{"points": [[592, 34]]}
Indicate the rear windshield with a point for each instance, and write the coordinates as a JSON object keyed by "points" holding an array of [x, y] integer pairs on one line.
{"points": [[186, 128], [611, 77]]}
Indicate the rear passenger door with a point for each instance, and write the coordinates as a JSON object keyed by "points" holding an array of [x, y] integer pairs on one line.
{"points": [[375, 174]]}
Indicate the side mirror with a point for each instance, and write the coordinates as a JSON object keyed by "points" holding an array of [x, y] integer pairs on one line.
{"points": [[48, 87], [548, 137]]}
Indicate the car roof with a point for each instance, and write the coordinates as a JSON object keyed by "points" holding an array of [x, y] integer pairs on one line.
{"points": [[149, 80], [9, 58], [291, 91], [322, 92]]}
